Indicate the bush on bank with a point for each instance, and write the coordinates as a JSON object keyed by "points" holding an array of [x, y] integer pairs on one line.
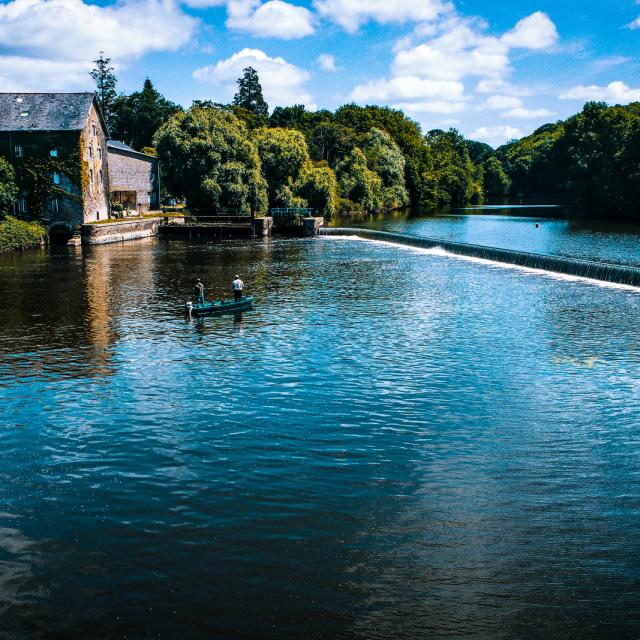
{"points": [[17, 234]]}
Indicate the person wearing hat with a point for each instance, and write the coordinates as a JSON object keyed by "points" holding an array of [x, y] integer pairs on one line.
{"points": [[198, 292], [237, 285]]}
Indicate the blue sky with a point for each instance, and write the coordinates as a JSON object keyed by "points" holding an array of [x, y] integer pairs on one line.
{"points": [[492, 69]]}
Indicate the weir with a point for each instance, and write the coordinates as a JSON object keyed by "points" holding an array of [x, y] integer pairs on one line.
{"points": [[618, 274]]}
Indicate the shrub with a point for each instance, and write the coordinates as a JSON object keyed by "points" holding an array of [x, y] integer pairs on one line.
{"points": [[16, 234]]}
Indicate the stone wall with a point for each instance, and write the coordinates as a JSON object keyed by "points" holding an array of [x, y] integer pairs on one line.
{"points": [[120, 231], [135, 172], [95, 173]]}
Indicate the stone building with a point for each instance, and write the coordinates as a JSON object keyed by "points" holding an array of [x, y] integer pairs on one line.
{"points": [[134, 178], [57, 143]]}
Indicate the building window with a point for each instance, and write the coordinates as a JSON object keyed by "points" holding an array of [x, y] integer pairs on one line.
{"points": [[101, 178], [91, 179], [91, 151], [53, 153], [55, 205], [100, 153], [94, 129], [21, 205], [56, 177], [18, 151]]}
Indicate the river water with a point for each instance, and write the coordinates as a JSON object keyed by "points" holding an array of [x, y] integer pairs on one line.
{"points": [[546, 229], [392, 444]]}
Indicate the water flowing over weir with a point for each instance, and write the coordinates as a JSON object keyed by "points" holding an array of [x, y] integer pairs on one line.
{"points": [[606, 272]]}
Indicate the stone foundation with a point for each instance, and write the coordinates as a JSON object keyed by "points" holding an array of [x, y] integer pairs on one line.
{"points": [[262, 226], [120, 231], [311, 226]]}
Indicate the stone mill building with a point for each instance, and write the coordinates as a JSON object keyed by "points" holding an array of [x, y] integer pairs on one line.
{"points": [[65, 165]]}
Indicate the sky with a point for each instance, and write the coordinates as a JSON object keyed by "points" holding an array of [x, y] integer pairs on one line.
{"points": [[494, 70]]}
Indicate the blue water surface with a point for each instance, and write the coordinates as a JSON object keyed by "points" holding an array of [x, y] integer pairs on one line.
{"points": [[547, 229], [392, 444]]}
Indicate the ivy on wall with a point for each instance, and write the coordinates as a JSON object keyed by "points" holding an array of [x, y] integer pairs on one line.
{"points": [[35, 171]]}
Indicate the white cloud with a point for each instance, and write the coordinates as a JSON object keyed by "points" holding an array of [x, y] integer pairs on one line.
{"points": [[413, 94], [613, 93], [635, 24], [496, 135], [498, 85], [463, 49], [273, 19], [282, 83], [327, 62], [536, 31], [351, 14], [502, 102], [514, 106], [428, 76], [407, 88], [50, 44], [432, 106], [524, 113]]}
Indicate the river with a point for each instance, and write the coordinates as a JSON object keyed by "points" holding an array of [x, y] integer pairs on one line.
{"points": [[392, 444], [546, 229]]}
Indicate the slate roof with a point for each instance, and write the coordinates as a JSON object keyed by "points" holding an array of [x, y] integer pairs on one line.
{"points": [[44, 111], [116, 145]]}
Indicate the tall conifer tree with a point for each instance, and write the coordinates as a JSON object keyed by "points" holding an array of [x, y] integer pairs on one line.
{"points": [[105, 79], [249, 95]]}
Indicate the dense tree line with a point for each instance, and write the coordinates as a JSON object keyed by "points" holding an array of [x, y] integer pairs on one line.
{"points": [[356, 158], [592, 159], [370, 158]]}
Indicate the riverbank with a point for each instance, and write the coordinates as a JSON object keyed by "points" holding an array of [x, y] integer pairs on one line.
{"points": [[16, 235]]}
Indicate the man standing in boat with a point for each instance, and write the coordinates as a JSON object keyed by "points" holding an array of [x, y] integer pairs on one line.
{"points": [[237, 285], [198, 292]]}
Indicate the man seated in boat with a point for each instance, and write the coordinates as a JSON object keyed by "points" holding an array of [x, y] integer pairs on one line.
{"points": [[237, 285], [198, 292]]}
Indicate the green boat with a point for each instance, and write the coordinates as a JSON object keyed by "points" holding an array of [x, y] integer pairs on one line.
{"points": [[219, 306]]}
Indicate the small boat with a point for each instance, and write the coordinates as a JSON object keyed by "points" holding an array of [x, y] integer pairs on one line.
{"points": [[219, 306]]}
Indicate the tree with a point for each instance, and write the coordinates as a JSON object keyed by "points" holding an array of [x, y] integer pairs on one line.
{"points": [[138, 116], [209, 160], [455, 179], [283, 154], [8, 188], [105, 79], [331, 142], [358, 183], [385, 158], [317, 184], [496, 182], [249, 95]]}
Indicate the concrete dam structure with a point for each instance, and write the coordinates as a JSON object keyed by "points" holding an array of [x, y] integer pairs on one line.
{"points": [[606, 272]]}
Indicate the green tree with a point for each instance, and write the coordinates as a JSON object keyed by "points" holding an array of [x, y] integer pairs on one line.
{"points": [[104, 77], [385, 158], [8, 187], [208, 159], [496, 182], [479, 151], [318, 186], [358, 184], [138, 116], [331, 142], [455, 180], [591, 153], [249, 94], [283, 154]]}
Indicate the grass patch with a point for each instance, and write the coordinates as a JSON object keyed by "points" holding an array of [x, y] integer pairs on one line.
{"points": [[17, 234]]}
